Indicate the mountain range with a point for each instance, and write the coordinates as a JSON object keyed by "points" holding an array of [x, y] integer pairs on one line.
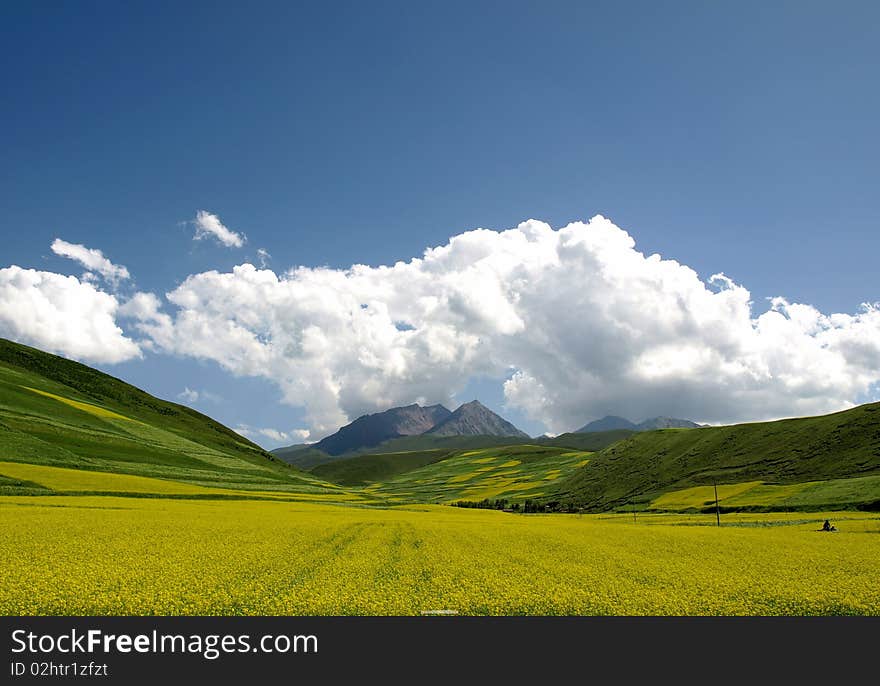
{"points": [[614, 423], [371, 430], [414, 427]]}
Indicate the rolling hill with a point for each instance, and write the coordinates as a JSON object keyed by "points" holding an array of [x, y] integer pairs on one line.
{"points": [[308, 458], [61, 414], [363, 469], [815, 453], [417, 451], [595, 440], [302, 456], [516, 473]]}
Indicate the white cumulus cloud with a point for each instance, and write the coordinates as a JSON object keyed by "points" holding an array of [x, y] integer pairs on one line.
{"points": [[207, 224], [577, 320], [63, 315], [188, 395], [253, 433], [92, 259], [191, 396]]}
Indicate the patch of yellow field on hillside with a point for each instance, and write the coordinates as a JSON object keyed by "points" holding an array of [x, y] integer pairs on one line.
{"points": [[316, 497], [582, 463], [768, 494], [750, 493], [700, 496], [490, 489], [510, 463], [481, 460], [552, 475], [458, 478], [62, 480], [79, 405]]}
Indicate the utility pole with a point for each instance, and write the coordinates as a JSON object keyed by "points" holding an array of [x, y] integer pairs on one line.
{"points": [[717, 508]]}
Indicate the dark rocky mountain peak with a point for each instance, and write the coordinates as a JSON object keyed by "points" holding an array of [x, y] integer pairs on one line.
{"points": [[475, 419], [372, 429]]}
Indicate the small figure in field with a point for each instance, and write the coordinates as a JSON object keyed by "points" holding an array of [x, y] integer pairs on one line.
{"points": [[827, 526]]}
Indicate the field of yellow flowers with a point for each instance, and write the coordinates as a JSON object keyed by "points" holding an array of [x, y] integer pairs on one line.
{"points": [[110, 555]]}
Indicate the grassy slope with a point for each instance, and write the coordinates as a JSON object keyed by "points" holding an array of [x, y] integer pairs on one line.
{"points": [[428, 442], [843, 445], [360, 470], [302, 456], [590, 441], [517, 473], [859, 492], [57, 412], [309, 458]]}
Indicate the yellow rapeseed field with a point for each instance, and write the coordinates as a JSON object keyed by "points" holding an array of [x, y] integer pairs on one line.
{"points": [[79, 405], [110, 555]]}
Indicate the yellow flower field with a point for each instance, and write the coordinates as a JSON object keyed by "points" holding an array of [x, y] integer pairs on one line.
{"points": [[110, 555], [63, 480]]}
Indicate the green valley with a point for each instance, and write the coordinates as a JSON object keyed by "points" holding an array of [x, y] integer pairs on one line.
{"points": [[196, 519]]}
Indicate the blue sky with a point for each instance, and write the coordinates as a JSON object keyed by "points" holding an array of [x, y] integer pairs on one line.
{"points": [[732, 137]]}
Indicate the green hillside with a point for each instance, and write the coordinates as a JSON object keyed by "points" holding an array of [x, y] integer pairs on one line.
{"points": [[309, 458], [515, 473], [431, 442], [593, 441], [302, 456], [60, 413], [815, 453], [362, 469], [371, 467]]}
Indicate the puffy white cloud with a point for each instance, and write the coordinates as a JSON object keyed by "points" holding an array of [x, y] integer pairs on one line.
{"points": [[146, 311], [63, 315], [188, 395], [92, 259], [191, 396], [208, 224], [578, 321], [274, 435]]}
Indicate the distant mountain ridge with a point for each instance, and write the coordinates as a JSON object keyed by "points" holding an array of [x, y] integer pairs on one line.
{"points": [[666, 423], [614, 423], [434, 423]]}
